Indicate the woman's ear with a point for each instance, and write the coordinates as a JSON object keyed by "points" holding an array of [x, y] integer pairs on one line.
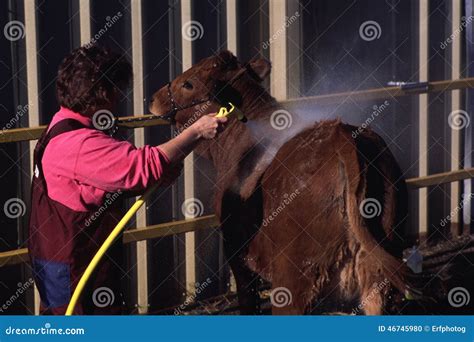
{"points": [[261, 67]]}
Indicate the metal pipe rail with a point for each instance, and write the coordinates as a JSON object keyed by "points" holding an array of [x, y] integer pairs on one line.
{"points": [[33, 133]]}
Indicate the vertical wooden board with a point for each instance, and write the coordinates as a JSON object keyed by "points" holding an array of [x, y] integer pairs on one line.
{"points": [[189, 193], [85, 21], [32, 76], [278, 51], [139, 141], [438, 128], [423, 19], [456, 106], [232, 39]]}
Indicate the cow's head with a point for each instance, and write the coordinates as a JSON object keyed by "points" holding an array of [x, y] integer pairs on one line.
{"points": [[207, 86]]}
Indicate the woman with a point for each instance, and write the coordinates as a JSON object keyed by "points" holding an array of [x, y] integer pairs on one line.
{"points": [[80, 175]]}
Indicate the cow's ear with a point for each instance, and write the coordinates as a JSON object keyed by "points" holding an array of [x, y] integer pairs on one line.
{"points": [[261, 67]]}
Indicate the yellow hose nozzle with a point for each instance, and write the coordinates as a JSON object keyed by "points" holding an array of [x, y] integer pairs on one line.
{"points": [[224, 111]]}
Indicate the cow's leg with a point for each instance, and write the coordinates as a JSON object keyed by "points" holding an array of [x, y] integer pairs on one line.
{"points": [[289, 286], [371, 284], [247, 286], [372, 301], [239, 228]]}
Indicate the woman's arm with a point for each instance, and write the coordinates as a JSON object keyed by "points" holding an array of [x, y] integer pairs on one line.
{"points": [[109, 164]]}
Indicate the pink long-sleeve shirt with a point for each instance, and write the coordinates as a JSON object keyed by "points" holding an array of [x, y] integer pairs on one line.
{"points": [[80, 167]]}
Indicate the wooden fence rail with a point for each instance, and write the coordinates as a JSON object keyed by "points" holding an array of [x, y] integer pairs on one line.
{"points": [[18, 256]]}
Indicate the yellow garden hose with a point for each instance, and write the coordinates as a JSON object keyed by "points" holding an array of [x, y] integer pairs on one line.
{"points": [[121, 226], [105, 246]]}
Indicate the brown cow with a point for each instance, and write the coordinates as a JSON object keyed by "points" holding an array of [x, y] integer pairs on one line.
{"points": [[317, 211]]}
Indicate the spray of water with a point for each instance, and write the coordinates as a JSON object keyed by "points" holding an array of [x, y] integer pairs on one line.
{"points": [[271, 135]]}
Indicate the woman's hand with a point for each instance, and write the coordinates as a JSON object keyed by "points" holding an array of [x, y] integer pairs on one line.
{"points": [[179, 147], [208, 126]]}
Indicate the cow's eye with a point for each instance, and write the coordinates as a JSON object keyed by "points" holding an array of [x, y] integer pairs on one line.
{"points": [[187, 85]]}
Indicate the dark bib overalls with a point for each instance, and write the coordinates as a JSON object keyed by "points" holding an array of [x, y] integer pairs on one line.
{"points": [[62, 242]]}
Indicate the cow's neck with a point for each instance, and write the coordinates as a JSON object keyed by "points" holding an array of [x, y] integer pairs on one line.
{"points": [[243, 151]]}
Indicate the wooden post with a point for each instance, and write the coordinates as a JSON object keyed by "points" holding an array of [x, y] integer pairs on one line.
{"points": [[187, 60], [423, 26], [139, 140], [231, 17], [32, 89], [85, 21], [278, 51], [456, 105]]}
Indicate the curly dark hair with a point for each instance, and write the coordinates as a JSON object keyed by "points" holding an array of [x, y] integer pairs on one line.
{"points": [[90, 77]]}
